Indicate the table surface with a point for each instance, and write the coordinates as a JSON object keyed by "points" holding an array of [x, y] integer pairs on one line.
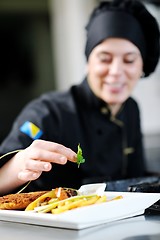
{"points": [[141, 227]]}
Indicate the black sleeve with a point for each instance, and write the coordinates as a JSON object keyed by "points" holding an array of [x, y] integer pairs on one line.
{"points": [[36, 112]]}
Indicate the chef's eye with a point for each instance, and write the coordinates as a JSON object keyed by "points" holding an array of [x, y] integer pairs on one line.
{"points": [[130, 58], [105, 58], [129, 61]]}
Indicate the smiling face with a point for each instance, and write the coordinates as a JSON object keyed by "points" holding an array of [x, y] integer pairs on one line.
{"points": [[113, 69]]}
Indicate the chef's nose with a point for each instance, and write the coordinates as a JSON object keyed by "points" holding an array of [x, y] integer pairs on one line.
{"points": [[116, 67]]}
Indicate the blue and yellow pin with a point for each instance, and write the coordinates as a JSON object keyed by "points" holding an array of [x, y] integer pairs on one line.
{"points": [[31, 130]]}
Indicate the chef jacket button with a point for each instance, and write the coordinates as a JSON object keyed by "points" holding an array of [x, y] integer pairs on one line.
{"points": [[104, 110]]}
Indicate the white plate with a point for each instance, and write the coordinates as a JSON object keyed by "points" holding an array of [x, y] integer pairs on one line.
{"points": [[132, 204]]}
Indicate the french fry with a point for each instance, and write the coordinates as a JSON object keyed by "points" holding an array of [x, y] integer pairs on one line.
{"points": [[102, 199], [60, 203], [70, 203], [66, 207], [116, 198], [47, 208], [85, 201]]}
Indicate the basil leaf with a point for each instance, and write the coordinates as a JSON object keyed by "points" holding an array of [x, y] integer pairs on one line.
{"points": [[80, 158]]}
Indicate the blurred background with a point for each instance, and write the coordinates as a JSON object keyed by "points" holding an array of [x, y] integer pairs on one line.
{"points": [[42, 48]]}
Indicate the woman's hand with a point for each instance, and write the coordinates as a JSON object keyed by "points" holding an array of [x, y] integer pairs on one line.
{"points": [[38, 158]]}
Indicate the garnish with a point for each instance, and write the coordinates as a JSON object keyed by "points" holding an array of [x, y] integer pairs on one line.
{"points": [[80, 158]]}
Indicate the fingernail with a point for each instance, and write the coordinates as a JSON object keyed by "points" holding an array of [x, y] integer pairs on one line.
{"points": [[75, 158], [46, 166]]}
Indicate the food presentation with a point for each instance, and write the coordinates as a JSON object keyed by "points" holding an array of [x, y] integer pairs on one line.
{"points": [[69, 208], [57, 200]]}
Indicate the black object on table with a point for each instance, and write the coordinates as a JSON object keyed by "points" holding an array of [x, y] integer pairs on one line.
{"points": [[145, 184]]}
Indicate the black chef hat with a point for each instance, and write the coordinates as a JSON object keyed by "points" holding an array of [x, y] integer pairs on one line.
{"points": [[127, 19]]}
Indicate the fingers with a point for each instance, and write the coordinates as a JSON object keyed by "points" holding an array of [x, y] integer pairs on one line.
{"points": [[39, 156], [51, 152], [34, 165], [28, 175], [33, 170], [45, 156]]}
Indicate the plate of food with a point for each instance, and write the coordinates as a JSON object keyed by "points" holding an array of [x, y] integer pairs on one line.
{"points": [[68, 208]]}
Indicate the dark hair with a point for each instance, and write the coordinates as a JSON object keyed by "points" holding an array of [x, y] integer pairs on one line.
{"points": [[149, 27]]}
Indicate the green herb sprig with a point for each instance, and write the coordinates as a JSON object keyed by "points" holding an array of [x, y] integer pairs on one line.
{"points": [[80, 158]]}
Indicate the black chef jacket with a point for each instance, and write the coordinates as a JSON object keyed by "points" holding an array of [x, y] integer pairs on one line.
{"points": [[112, 147]]}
